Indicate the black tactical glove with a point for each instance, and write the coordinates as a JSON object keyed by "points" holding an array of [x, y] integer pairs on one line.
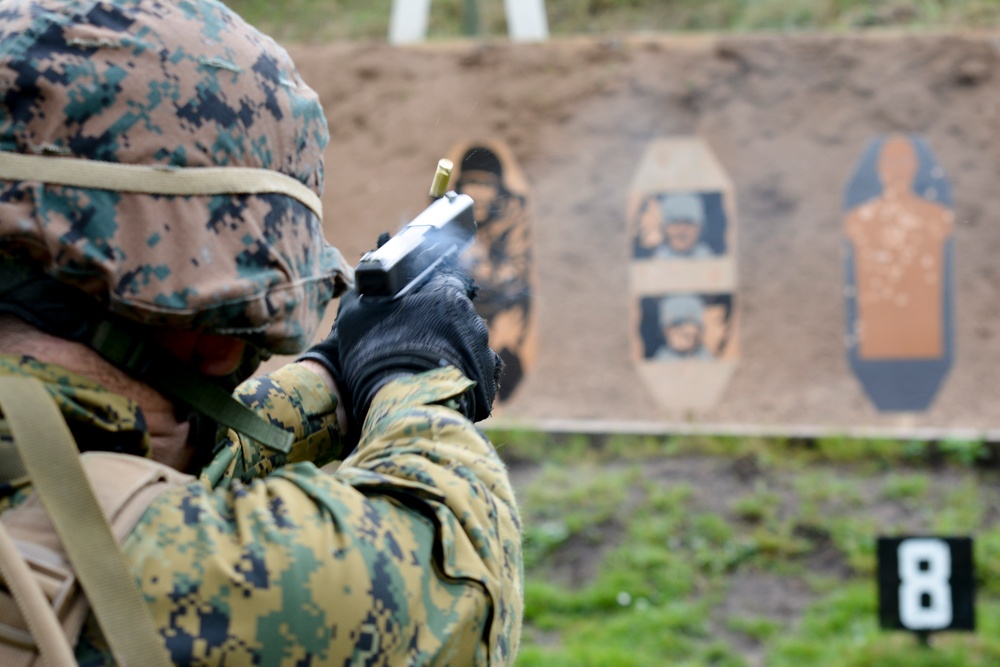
{"points": [[375, 340]]}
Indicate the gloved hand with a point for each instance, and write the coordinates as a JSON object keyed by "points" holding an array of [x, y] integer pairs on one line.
{"points": [[375, 340]]}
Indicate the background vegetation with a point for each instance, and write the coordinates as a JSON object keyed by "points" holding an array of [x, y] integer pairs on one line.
{"points": [[324, 20]]}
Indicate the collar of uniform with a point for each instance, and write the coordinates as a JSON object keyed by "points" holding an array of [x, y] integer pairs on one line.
{"points": [[100, 420]]}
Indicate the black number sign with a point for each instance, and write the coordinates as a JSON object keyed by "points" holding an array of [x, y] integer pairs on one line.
{"points": [[926, 584]]}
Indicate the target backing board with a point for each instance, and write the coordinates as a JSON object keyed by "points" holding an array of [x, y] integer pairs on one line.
{"points": [[738, 235], [682, 273]]}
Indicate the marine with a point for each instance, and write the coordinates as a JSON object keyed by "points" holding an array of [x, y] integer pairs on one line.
{"points": [[161, 173]]}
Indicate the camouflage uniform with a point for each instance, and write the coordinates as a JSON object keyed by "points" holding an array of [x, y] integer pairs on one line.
{"points": [[410, 553]]}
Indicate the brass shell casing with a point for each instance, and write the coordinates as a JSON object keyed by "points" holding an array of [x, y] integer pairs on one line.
{"points": [[442, 176]]}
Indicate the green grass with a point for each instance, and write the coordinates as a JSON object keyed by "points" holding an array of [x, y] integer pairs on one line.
{"points": [[664, 558], [323, 20], [571, 505], [906, 485], [759, 629], [761, 505]]}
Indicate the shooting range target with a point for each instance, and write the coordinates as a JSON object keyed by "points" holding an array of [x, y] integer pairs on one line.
{"points": [[898, 267], [682, 236], [502, 257]]}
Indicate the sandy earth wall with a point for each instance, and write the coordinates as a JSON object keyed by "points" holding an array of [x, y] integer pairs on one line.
{"points": [[788, 119]]}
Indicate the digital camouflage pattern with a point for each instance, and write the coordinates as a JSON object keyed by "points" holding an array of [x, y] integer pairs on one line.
{"points": [[408, 555], [299, 401], [178, 85], [88, 407]]}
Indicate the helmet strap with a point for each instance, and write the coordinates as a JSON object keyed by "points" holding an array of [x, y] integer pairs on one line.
{"points": [[62, 311], [149, 362]]}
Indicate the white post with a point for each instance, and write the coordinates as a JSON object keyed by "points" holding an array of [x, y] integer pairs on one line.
{"points": [[526, 20], [408, 23]]}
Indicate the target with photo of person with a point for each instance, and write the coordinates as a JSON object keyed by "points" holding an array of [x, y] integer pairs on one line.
{"points": [[686, 327], [682, 226], [501, 259]]}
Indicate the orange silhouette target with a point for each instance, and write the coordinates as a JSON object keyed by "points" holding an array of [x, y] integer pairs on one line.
{"points": [[898, 225]]}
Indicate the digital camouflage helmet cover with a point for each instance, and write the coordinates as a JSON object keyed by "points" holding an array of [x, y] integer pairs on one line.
{"points": [[115, 118]]}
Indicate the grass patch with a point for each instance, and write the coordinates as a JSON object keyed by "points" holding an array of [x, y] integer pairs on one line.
{"points": [[321, 21], [637, 635], [525, 446], [571, 506], [841, 631], [906, 486], [628, 563], [762, 505], [759, 629], [963, 510]]}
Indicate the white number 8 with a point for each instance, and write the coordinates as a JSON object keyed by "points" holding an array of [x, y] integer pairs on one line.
{"points": [[924, 589]]}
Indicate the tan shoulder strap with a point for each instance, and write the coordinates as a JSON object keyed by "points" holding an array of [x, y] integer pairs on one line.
{"points": [[125, 487], [154, 180], [50, 456], [43, 624]]}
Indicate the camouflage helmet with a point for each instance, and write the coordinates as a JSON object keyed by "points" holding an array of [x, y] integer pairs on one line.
{"points": [[166, 159]]}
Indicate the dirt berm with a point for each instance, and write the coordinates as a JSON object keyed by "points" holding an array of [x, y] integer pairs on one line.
{"points": [[788, 118]]}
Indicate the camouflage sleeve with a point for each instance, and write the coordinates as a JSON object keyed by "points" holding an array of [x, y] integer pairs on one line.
{"points": [[432, 459], [295, 398], [409, 555]]}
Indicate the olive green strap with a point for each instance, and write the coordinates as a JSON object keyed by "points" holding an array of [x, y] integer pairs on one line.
{"points": [[52, 461], [144, 360], [11, 467]]}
